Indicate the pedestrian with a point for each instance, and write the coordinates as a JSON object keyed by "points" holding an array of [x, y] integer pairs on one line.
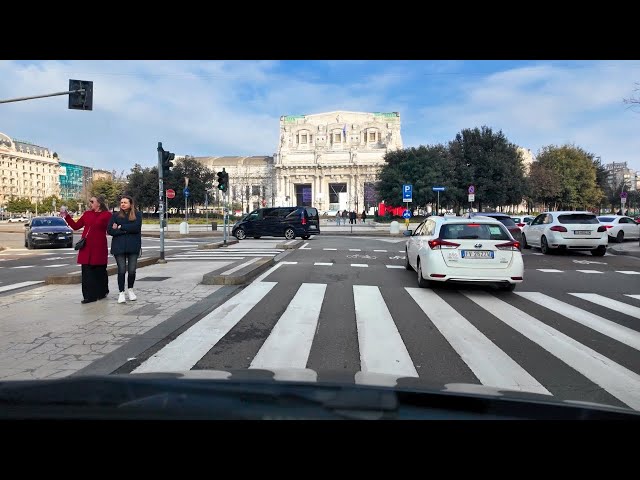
{"points": [[364, 216], [125, 227], [338, 218], [93, 256], [344, 216]]}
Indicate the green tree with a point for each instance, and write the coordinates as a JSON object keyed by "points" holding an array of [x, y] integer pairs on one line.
{"points": [[200, 178], [47, 204], [543, 185], [489, 161], [110, 189], [575, 169], [20, 205], [142, 185]]}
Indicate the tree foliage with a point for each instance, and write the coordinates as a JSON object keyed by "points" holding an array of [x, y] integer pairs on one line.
{"points": [[111, 190], [20, 205]]}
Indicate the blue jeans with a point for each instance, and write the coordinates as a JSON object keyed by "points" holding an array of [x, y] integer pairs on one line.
{"points": [[127, 263]]}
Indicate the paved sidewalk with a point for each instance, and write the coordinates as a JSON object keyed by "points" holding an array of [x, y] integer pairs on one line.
{"points": [[631, 248], [46, 332]]}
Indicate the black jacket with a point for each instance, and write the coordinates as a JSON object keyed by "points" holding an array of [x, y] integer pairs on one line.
{"points": [[128, 238]]}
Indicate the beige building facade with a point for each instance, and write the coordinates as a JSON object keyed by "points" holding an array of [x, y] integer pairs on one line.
{"points": [[331, 160], [27, 171]]}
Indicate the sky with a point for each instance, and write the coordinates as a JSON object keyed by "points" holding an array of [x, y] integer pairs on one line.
{"points": [[215, 108]]}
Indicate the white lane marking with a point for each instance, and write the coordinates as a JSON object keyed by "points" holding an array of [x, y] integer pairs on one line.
{"points": [[304, 247], [290, 242], [381, 347], [609, 303], [240, 267], [289, 263], [633, 296], [24, 266], [549, 270], [205, 258], [619, 381], [54, 258], [59, 265], [355, 250], [359, 265], [487, 361], [606, 327], [14, 286], [380, 251], [330, 249], [628, 272], [323, 263], [394, 266], [589, 271], [289, 344], [185, 351], [267, 273]]}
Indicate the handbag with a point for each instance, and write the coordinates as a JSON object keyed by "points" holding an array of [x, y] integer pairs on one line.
{"points": [[82, 242]]}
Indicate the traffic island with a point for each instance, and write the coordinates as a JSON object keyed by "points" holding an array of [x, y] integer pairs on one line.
{"points": [[219, 244], [291, 244], [76, 277], [240, 274]]}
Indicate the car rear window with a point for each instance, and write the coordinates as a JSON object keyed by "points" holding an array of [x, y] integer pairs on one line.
{"points": [[578, 218], [606, 219], [476, 231], [312, 212]]}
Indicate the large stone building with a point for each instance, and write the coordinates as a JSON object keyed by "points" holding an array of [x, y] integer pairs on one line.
{"points": [[26, 171], [331, 160]]}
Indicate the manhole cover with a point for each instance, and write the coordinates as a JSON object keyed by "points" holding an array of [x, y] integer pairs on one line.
{"points": [[152, 279]]}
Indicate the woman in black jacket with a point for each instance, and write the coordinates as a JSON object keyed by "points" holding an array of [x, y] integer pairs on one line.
{"points": [[126, 245]]}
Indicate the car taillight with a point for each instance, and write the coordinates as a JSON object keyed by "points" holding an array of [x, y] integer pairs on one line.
{"points": [[603, 228], [304, 220], [521, 224], [438, 243], [509, 246], [558, 228]]}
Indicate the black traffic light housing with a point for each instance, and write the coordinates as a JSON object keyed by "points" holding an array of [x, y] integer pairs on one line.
{"points": [[166, 161], [223, 180], [81, 100]]}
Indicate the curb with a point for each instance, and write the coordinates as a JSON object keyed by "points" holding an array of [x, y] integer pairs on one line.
{"points": [[289, 246], [76, 277], [615, 251], [209, 246], [240, 277]]}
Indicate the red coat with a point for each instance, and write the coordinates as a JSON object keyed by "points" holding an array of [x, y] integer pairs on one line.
{"points": [[95, 224]]}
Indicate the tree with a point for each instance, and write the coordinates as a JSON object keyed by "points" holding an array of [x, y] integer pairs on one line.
{"points": [[20, 205], [543, 185], [491, 163], [112, 190], [633, 101], [200, 179], [142, 185], [47, 204], [576, 171]]}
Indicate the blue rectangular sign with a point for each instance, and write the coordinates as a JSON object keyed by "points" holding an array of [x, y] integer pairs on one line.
{"points": [[407, 193], [438, 189]]}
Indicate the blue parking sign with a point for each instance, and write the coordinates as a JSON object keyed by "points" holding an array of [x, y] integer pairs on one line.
{"points": [[407, 193]]}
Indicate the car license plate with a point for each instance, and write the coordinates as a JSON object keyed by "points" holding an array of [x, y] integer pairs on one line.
{"points": [[477, 254], [313, 227], [61, 237], [582, 232]]}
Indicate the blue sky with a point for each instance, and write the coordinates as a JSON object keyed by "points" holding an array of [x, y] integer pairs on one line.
{"points": [[233, 107]]}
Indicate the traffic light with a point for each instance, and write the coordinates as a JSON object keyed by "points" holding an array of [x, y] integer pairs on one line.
{"points": [[81, 100], [223, 180], [165, 160]]}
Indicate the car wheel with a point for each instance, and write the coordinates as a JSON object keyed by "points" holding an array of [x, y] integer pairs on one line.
{"points": [[30, 245], [544, 246], [525, 245], [422, 283], [305, 237], [25, 243], [620, 237], [240, 234], [407, 265], [289, 234], [510, 287], [599, 252]]}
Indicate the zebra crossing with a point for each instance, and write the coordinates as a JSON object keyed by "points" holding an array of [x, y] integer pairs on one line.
{"points": [[233, 252], [587, 345]]}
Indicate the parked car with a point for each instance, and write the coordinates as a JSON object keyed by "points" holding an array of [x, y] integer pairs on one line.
{"points": [[620, 227], [19, 219], [456, 249], [50, 231], [288, 222], [566, 230], [522, 221]]}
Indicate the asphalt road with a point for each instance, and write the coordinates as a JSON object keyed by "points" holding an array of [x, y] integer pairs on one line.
{"points": [[343, 305]]}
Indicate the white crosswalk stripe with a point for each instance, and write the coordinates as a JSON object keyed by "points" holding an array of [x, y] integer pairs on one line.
{"points": [[383, 349]]}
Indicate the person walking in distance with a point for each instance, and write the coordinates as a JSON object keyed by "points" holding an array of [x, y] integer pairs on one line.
{"points": [[125, 227], [93, 255]]}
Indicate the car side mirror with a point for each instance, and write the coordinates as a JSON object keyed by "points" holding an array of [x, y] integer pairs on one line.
{"points": [[407, 233]]}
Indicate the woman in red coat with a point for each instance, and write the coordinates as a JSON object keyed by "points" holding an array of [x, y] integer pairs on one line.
{"points": [[93, 256]]}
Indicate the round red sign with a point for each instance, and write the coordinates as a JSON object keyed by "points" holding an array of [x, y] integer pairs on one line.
{"points": [[171, 193]]}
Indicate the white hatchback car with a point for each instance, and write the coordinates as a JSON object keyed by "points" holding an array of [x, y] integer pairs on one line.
{"points": [[620, 227], [567, 230], [465, 250]]}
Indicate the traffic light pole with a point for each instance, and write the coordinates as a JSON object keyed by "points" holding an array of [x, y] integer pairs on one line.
{"points": [[161, 202], [226, 216]]}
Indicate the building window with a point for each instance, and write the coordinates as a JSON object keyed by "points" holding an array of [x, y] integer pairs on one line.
{"points": [[337, 138], [255, 190], [372, 136], [303, 139]]}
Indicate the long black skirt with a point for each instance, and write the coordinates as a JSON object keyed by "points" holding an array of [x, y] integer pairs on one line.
{"points": [[95, 282]]}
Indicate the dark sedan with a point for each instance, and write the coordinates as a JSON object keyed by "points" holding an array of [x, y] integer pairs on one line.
{"points": [[49, 231]]}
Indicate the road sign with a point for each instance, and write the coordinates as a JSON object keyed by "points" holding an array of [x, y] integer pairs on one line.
{"points": [[438, 189], [407, 193], [472, 189], [171, 193], [623, 195], [406, 214], [623, 200], [186, 191], [472, 197]]}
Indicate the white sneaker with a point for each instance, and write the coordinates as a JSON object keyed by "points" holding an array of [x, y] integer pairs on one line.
{"points": [[132, 296], [121, 298]]}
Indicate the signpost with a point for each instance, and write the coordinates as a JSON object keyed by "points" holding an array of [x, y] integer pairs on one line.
{"points": [[472, 196], [623, 201], [406, 215], [438, 189], [407, 193]]}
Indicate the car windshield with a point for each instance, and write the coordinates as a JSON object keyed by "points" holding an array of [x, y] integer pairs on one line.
{"points": [[168, 221]]}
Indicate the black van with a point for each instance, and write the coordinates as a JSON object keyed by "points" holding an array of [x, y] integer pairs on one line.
{"points": [[288, 222]]}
